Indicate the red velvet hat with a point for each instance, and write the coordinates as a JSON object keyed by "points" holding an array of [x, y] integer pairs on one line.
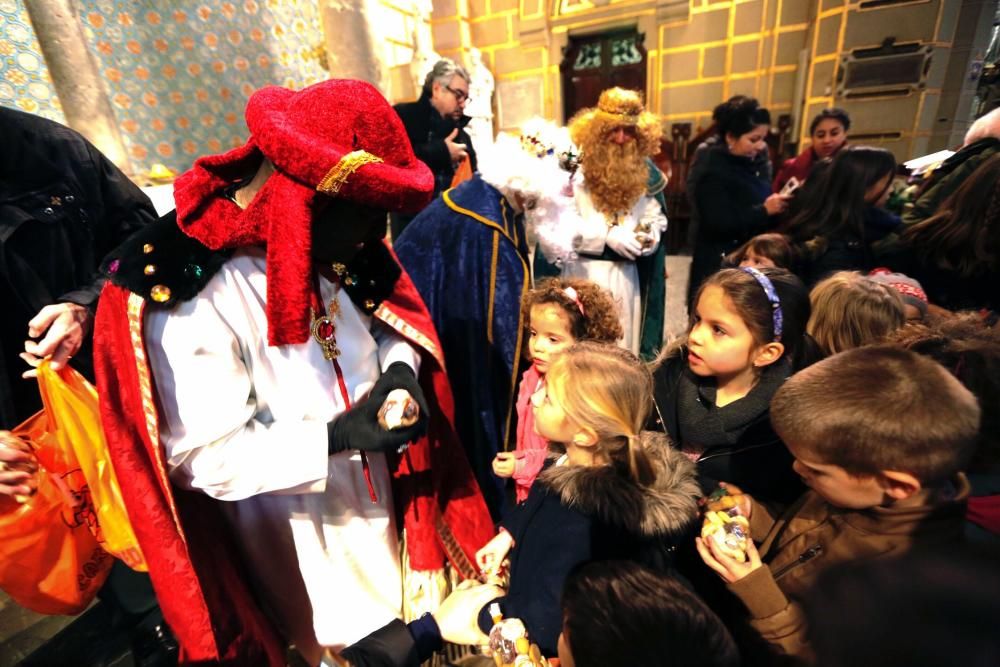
{"points": [[338, 138]]}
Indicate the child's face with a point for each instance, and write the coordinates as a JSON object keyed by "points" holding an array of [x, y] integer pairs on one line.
{"points": [[757, 261], [719, 345], [834, 484], [551, 421], [549, 334]]}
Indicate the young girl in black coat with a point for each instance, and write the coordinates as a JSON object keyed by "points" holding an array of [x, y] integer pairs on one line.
{"points": [[713, 390], [615, 493]]}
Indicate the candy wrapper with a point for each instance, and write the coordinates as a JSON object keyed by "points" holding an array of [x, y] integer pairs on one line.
{"points": [[398, 411], [509, 643], [731, 532], [721, 499]]}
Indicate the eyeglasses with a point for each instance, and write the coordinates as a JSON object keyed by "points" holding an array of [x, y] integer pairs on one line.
{"points": [[460, 95]]}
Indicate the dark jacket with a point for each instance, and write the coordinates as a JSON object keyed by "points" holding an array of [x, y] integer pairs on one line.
{"points": [[946, 287], [63, 206], [758, 461], [849, 252], [575, 514], [427, 131], [698, 170], [396, 644], [949, 176], [729, 197]]}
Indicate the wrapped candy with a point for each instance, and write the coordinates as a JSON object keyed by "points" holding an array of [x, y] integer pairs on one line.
{"points": [[399, 410], [730, 532], [509, 643]]}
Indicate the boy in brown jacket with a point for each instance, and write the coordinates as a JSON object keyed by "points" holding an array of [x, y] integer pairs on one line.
{"points": [[880, 436]]}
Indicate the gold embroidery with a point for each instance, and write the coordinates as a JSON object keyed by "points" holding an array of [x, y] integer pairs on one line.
{"points": [[454, 550], [386, 315], [350, 163], [493, 286], [136, 304]]}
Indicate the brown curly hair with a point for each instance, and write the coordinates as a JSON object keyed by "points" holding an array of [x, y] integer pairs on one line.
{"points": [[599, 320], [970, 350]]}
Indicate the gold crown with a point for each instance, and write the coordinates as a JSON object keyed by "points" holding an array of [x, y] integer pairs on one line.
{"points": [[621, 102]]}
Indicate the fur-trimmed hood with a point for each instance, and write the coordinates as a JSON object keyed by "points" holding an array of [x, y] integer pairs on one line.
{"points": [[665, 508]]}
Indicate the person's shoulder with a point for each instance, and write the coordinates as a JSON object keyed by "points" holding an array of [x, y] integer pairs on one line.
{"points": [[39, 131], [410, 111], [162, 264], [717, 161]]}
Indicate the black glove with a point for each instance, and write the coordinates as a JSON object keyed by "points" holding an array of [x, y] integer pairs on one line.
{"points": [[358, 428]]}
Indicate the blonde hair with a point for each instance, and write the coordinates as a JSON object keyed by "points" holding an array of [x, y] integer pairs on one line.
{"points": [[616, 176], [607, 389], [850, 310]]}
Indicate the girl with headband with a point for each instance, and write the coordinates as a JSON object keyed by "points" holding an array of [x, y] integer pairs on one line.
{"points": [[559, 312], [713, 389]]}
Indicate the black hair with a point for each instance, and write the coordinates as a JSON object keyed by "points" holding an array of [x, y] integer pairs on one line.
{"points": [[755, 309], [834, 204], [776, 247], [621, 614], [739, 115], [926, 609], [836, 114]]}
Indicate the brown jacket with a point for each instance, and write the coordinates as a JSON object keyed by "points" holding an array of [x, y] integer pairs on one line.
{"points": [[812, 535]]}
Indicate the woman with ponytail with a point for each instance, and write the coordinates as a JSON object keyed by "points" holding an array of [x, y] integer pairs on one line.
{"points": [[613, 492]]}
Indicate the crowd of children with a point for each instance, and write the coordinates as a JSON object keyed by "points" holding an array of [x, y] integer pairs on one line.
{"points": [[846, 424], [752, 495]]}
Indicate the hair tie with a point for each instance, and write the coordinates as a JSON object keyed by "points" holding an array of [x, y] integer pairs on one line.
{"points": [[772, 296], [572, 294]]}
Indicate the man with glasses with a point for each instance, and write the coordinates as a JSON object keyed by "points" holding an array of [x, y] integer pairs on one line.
{"points": [[436, 124]]}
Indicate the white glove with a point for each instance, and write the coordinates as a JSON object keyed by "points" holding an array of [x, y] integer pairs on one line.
{"points": [[624, 242], [650, 240]]}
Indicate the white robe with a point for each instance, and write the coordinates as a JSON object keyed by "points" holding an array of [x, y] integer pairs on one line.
{"points": [[620, 278], [246, 424]]}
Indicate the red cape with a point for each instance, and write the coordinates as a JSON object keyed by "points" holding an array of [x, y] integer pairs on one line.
{"points": [[192, 558]]}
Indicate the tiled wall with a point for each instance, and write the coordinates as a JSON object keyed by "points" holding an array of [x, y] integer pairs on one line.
{"points": [[178, 74], [24, 78]]}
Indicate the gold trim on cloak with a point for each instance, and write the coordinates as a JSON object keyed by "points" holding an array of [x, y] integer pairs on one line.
{"points": [[136, 306]]}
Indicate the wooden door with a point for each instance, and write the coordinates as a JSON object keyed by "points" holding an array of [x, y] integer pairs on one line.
{"points": [[594, 63]]}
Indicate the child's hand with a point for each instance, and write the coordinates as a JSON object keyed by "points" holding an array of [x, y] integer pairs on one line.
{"points": [[492, 555], [503, 464], [730, 569]]}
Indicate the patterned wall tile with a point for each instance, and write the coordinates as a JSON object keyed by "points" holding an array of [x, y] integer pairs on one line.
{"points": [[24, 78], [179, 74]]}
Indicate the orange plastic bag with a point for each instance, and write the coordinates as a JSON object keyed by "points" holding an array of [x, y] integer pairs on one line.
{"points": [[463, 172], [50, 561], [74, 417]]}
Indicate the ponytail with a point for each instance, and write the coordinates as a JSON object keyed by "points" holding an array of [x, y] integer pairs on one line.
{"points": [[640, 468], [608, 390]]}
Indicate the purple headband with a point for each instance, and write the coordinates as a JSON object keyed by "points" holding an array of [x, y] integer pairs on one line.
{"points": [[772, 296]]}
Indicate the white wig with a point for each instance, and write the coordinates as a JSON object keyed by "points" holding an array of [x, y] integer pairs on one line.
{"points": [[536, 168]]}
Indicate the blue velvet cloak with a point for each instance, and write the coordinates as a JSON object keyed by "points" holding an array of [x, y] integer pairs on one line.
{"points": [[468, 257]]}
